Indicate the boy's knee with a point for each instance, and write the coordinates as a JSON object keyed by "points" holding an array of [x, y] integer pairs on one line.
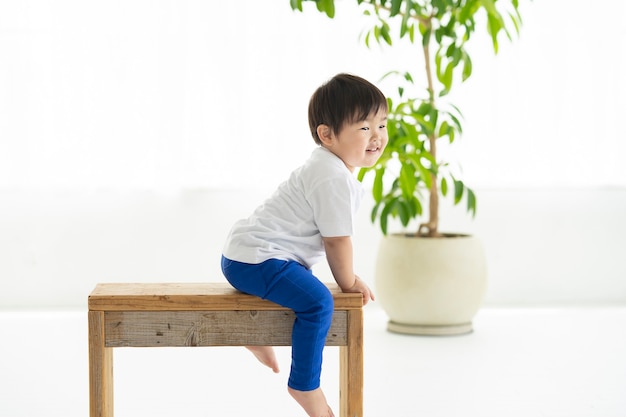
{"points": [[322, 304], [326, 303], [328, 299]]}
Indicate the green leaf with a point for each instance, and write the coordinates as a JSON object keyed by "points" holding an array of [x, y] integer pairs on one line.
{"points": [[296, 4], [438, 66], [426, 175], [517, 21], [395, 7], [468, 10], [456, 122], [458, 191], [416, 207], [374, 213], [404, 29], [471, 202], [493, 28], [451, 135], [403, 212], [439, 35], [384, 215], [384, 32], [447, 76], [327, 6], [425, 108], [361, 174], [490, 6], [444, 187], [444, 129], [467, 66], [407, 180], [377, 188]]}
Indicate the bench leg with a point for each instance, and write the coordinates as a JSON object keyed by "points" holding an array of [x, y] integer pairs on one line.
{"points": [[100, 369], [351, 368]]}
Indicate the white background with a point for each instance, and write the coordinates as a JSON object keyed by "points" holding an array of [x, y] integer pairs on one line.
{"points": [[132, 135]]}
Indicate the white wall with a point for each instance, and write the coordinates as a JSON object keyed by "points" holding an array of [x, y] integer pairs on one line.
{"points": [[132, 134], [178, 94]]}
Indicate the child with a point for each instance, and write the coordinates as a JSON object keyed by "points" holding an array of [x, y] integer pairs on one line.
{"points": [[270, 254]]}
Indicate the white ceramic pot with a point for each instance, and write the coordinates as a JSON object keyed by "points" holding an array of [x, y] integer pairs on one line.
{"points": [[430, 286]]}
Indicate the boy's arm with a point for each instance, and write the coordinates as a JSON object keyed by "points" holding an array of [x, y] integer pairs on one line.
{"points": [[339, 256]]}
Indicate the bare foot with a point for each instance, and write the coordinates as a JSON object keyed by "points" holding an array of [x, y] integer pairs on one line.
{"points": [[313, 402], [265, 355]]}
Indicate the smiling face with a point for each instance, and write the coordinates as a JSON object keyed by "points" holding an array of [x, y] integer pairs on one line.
{"points": [[358, 143]]}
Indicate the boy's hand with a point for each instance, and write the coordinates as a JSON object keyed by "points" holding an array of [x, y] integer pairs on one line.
{"points": [[360, 286]]}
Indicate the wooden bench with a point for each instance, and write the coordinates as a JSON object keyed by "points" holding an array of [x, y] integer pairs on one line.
{"points": [[209, 314]]}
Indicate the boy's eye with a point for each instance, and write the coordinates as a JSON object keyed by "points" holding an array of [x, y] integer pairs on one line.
{"points": [[365, 128]]}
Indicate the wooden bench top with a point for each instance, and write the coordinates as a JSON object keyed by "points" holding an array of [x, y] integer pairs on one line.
{"points": [[193, 296]]}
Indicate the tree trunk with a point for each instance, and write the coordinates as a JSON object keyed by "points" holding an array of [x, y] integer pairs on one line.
{"points": [[431, 228]]}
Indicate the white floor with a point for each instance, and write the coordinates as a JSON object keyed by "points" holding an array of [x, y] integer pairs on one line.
{"points": [[568, 362]]}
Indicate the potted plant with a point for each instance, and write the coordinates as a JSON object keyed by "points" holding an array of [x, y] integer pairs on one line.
{"points": [[428, 282]]}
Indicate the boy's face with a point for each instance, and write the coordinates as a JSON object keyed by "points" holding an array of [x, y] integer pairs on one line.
{"points": [[360, 144]]}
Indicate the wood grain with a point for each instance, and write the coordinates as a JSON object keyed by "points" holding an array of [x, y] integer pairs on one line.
{"points": [[193, 296], [209, 328]]}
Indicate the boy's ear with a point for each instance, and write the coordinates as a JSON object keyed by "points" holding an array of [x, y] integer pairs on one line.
{"points": [[325, 134]]}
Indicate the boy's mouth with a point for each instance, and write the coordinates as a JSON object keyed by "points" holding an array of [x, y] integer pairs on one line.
{"points": [[374, 149]]}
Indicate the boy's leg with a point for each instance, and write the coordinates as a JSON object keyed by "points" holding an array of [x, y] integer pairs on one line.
{"points": [[291, 285], [249, 278], [297, 288]]}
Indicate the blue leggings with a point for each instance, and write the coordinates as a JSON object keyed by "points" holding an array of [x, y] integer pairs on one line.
{"points": [[291, 285]]}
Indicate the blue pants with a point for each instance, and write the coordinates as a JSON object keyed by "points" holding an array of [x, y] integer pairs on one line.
{"points": [[291, 285]]}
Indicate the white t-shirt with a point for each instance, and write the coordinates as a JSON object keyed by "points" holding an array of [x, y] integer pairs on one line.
{"points": [[319, 199]]}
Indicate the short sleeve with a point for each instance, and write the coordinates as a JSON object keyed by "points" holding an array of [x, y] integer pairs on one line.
{"points": [[334, 203]]}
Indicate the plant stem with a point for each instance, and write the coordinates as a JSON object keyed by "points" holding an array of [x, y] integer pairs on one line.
{"points": [[430, 228]]}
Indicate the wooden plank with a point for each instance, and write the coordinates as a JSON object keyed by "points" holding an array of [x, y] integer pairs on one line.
{"points": [[210, 328], [193, 296], [351, 368], [100, 368]]}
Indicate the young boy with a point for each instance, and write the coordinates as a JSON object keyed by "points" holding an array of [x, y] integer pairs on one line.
{"points": [[270, 254]]}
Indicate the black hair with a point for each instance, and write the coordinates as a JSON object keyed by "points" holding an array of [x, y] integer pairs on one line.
{"points": [[345, 98]]}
